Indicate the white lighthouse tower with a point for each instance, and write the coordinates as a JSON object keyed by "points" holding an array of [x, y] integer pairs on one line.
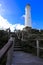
{"points": [[28, 15]]}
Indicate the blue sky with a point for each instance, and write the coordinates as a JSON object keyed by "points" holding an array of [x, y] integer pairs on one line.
{"points": [[13, 10]]}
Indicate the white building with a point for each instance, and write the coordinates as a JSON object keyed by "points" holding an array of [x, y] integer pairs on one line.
{"points": [[28, 15]]}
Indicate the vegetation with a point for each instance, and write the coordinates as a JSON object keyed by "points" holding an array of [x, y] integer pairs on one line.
{"points": [[28, 43], [3, 60], [4, 36]]}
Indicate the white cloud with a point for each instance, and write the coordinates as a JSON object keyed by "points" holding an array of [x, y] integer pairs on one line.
{"points": [[2, 9], [23, 16], [4, 24], [0, 4], [19, 26]]}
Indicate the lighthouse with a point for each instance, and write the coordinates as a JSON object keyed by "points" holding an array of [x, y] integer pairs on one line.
{"points": [[28, 15]]}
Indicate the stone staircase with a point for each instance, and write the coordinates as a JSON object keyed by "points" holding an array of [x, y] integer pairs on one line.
{"points": [[17, 46]]}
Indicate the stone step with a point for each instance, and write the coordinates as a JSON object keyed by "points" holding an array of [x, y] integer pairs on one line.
{"points": [[17, 49], [17, 46]]}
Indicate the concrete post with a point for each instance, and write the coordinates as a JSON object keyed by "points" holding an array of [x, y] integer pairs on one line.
{"points": [[37, 42]]}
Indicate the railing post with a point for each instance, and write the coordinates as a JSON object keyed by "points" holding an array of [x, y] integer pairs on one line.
{"points": [[10, 54], [22, 35], [37, 42]]}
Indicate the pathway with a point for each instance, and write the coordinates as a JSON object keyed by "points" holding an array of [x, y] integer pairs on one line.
{"points": [[22, 58]]}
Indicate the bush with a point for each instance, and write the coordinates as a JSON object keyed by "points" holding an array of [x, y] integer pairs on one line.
{"points": [[3, 38]]}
